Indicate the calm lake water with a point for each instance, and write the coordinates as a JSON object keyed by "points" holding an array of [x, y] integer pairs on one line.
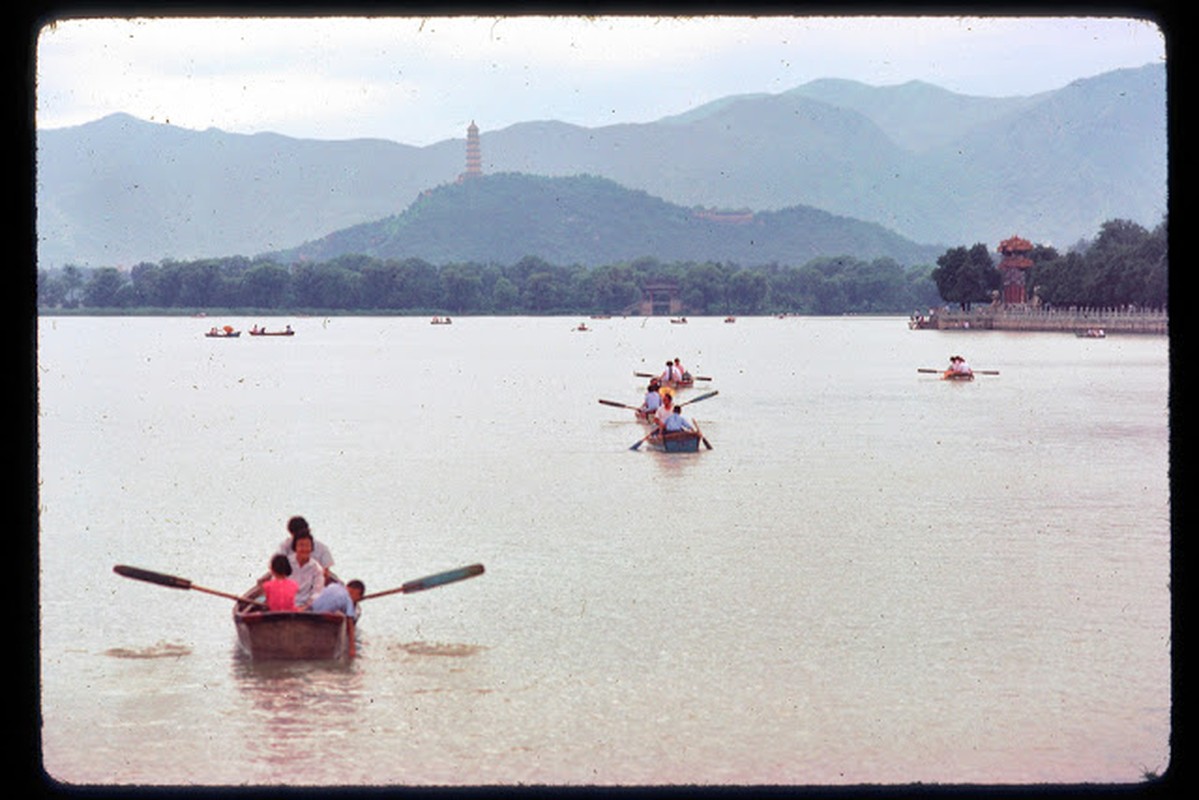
{"points": [[874, 576]]}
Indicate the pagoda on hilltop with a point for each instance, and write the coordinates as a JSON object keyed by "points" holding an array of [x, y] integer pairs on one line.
{"points": [[1013, 269], [474, 154]]}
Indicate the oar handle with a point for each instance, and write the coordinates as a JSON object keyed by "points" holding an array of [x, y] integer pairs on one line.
{"points": [[431, 581]]}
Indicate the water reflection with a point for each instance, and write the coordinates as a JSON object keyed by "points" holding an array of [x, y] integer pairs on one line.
{"points": [[291, 711]]}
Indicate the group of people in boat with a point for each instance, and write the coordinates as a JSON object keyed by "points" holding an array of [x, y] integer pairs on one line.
{"points": [[958, 368], [674, 374], [658, 406], [256, 329], [301, 577]]}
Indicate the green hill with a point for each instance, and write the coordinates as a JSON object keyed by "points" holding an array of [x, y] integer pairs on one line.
{"points": [[592, 221]]}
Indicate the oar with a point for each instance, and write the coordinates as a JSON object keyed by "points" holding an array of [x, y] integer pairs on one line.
{"points": [[643, 439], [431, 581], [702, 438], [175, 583], [697, 399], [693, 377], [619, 405], [940, 371]]}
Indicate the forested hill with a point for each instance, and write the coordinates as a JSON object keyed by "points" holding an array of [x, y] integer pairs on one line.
{"points": [[592, 221]]}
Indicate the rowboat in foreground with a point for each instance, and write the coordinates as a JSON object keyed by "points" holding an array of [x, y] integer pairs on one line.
{"points": [[290, 635], [675, 441], [294, 635]]}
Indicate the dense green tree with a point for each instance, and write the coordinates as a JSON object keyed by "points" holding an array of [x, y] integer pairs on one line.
{"points": [[265, 286], [747, 291], [462, 286], [705, 289], [966, 276], [319, 286], [102, 290]]}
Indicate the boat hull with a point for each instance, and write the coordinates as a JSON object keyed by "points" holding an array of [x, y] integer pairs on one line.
{"points": [[291, 635], [272, 333], [676, 442]]}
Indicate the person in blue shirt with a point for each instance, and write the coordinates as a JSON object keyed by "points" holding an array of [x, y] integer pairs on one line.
{"points": [[340, 598], [676, 422]]}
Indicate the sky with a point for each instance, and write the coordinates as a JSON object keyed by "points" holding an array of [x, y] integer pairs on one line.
{"points": [[422, 80]]}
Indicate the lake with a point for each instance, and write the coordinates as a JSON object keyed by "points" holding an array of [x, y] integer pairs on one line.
{"points": [[873, 575]]}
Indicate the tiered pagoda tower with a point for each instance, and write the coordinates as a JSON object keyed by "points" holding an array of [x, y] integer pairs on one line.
{"points": [[474, 154], [1013, 269]]}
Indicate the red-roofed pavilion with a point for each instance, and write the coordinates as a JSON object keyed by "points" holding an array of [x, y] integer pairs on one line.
{"points": [[1013, 268]]}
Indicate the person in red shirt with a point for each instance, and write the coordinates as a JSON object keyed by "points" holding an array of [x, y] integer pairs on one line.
{"points": [[280, 590]]}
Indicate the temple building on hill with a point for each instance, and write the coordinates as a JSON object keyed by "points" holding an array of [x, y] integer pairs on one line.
{"points": [[1013, 269], [474, 154]]}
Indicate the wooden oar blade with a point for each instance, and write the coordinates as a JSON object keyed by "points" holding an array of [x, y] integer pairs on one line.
{"points": [[152, 577], [432, 581], [442, 578], [642, 441], [618, 405]]}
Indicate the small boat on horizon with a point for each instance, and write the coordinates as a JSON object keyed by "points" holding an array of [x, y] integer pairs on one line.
{"points": [[256, 331]]}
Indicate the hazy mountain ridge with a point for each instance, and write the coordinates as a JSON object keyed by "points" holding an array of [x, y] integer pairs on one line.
{"points": [[930, 165]]}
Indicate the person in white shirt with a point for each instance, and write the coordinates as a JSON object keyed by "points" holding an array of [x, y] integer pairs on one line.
{"points": [[320, 552], [306, 571], [664, 411]]}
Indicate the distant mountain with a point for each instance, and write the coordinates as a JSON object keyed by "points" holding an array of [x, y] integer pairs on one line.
{"points": [[593, 221], [930, 165]]}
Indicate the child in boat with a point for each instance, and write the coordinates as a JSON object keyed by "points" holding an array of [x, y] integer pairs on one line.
{"points": [[280, 590]]}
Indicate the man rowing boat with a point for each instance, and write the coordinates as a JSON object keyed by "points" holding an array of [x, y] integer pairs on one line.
{"points": [[958, 368]]}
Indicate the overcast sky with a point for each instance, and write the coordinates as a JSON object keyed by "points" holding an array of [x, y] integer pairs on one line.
{"points": [[418, 81]]}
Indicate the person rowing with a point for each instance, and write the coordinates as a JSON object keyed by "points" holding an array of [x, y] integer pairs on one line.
{"points": [[676, 422], [958, 368], [652, 401]]}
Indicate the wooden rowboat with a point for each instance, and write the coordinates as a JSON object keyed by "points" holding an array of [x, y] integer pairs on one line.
{"points": [[676, 441], [223, 335], [272, 333], [290, 635]]}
